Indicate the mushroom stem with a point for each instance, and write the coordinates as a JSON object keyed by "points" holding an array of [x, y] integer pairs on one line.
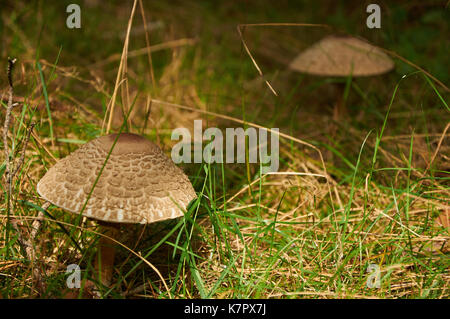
{"points": [[340, 108], [104, 263]]}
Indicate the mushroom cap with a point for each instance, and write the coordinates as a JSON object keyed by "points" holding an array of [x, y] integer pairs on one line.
{"points": [[342, 56], [139, 183]]}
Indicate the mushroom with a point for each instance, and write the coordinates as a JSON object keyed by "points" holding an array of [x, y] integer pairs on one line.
{"points": [[342, 56], [138, 184]]}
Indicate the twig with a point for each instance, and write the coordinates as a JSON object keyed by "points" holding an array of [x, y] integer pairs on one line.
{"points": [[241, 27], [30, 249], [37, 222], [22, 156], [25, 244], [121, 75], [5, 144], [28, 243], [437, 148], [136, 290], [147, 42]]}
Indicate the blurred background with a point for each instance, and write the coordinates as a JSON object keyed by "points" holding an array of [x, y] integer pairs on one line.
{"points": [[199, 58]]}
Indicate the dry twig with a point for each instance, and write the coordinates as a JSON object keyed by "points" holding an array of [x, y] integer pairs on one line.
{"points": [[26, 244]]}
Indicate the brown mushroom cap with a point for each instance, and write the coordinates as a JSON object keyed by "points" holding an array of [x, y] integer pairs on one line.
{"points": [[342, 56], [139, 183]]}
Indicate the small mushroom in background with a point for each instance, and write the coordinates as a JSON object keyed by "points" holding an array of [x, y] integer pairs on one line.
{"points": [[138, 184], [342, 56]]}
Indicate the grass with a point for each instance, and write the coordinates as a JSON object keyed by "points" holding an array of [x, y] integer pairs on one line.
{"points": [[365, 194]]}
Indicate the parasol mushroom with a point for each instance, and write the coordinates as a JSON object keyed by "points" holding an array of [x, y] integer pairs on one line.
{"points": [[138, 184], [342, 56]]}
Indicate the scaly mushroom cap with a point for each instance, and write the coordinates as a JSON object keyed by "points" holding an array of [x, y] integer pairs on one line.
{"points": [[139, 183], [342, 56]]}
